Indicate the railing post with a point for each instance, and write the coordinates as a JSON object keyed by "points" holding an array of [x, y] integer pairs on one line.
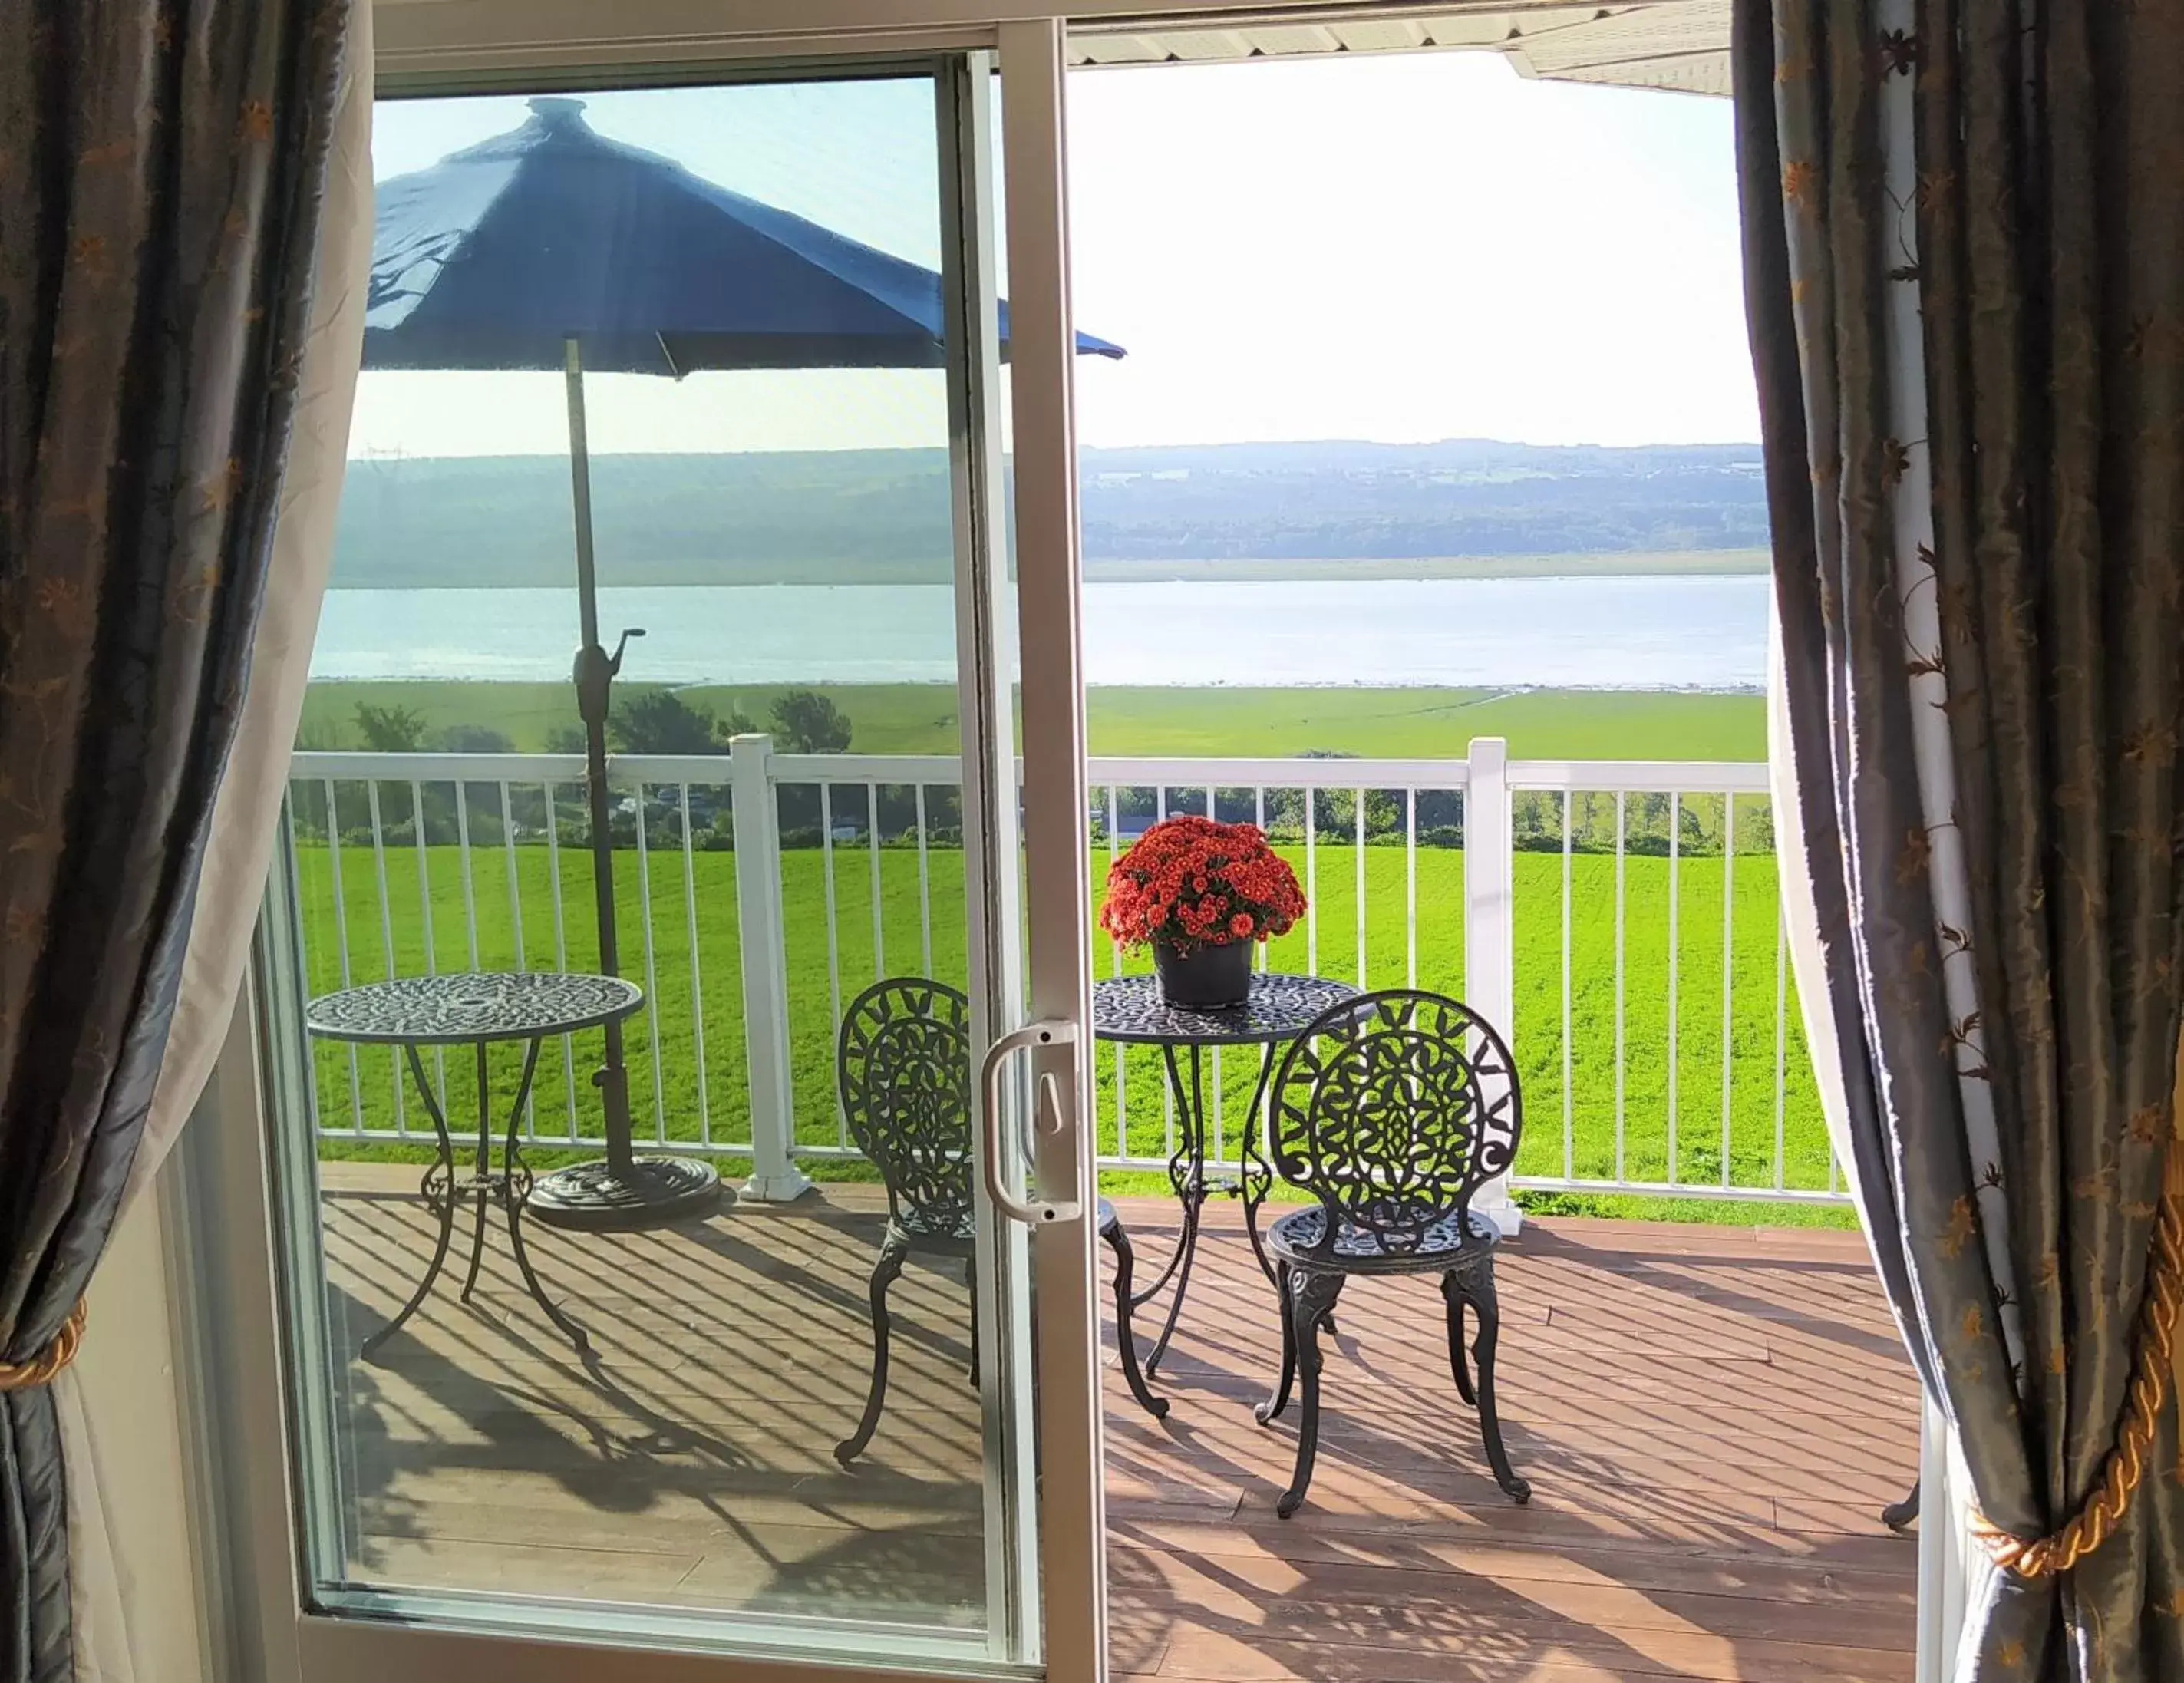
{"points": [[1489, 984], [774, 1178]]}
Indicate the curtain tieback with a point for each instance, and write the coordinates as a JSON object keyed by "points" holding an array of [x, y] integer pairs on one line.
{"points": [[2151, 1365], [44, 1367]]}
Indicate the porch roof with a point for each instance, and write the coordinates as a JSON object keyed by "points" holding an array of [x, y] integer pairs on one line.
{"points": [[1677, 45]]}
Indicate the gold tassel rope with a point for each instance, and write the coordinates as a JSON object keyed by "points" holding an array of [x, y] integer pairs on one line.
{"points": [[44, 1367], [2152, 1364]]}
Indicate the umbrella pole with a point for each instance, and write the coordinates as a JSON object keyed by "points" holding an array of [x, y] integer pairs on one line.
{"points": [[594, 679], [626, 1191]]}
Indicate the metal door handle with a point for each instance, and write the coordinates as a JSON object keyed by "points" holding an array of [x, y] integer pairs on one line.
{"points": [[1053, 1032]]}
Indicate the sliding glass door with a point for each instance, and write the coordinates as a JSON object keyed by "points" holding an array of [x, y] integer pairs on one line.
{"points": [[548, 1394]]}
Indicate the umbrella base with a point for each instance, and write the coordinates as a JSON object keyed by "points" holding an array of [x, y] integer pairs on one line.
{"points": [[656, 1192]]}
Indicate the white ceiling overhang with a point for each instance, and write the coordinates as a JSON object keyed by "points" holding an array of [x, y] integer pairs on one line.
{"points": [[1679, 45]]}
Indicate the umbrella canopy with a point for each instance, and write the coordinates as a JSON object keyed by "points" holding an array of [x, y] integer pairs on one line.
{"points": [[499, 254]]}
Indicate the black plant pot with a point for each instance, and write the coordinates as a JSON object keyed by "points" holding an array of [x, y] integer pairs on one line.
{"points": [[1199, 978]]}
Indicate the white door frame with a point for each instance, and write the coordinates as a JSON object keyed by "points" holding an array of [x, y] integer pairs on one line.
{"points": [[1057, 844]]}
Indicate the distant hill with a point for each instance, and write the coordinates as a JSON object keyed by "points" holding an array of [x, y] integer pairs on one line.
{"points": [[882, 516]]}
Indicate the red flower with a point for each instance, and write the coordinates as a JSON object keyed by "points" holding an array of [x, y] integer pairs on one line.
{"points": [[1192, 880]]}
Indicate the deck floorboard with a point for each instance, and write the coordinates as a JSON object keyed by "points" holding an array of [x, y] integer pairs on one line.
{"points": [[1710, 1418]]}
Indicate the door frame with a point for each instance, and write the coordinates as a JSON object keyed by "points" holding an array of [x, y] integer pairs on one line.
{"points": [[245, 1393]]}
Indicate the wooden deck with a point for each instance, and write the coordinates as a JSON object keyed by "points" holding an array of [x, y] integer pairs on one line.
{"points": [[1710, 1418]]}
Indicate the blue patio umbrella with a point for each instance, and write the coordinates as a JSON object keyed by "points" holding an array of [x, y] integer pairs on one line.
{"points": [[551, 247]]}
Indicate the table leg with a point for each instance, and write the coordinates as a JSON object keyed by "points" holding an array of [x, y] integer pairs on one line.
{"points": [[439, 1188], [1187, 1175], [515, 1188], [481, 1182]]}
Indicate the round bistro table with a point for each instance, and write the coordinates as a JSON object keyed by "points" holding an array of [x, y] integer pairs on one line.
{"points": [[474, 1009], [1129, 1011]]}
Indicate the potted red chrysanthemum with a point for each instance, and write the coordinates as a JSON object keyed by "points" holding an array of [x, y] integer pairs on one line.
{"points": [[1199, 893]]}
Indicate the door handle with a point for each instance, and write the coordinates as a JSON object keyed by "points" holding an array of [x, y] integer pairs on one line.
{"points": [[1051, 1032]]}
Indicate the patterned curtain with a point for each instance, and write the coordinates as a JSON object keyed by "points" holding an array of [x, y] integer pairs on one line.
{"points": [[1964, 250], [161, 169]]}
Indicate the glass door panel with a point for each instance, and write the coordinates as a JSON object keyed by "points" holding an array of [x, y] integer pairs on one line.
{"points": [[800, 1421]]}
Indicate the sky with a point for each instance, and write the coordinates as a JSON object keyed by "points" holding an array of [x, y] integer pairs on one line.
{"points": [[1398, 249]]}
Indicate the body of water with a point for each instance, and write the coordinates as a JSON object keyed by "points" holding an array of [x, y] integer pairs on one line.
{"points": [[1674, 631]]}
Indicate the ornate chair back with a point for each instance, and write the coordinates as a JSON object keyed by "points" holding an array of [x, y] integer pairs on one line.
{"points": [[904, 1062], [1393, 1109]]}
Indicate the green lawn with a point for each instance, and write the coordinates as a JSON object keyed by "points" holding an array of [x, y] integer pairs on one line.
{"points": [[916, 718], [510, 889]]}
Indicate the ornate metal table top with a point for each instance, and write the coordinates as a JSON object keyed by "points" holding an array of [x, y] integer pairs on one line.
{"points": [[1128, 1009], [459, 1008]]}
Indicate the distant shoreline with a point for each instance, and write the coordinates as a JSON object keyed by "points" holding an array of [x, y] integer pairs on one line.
{"points": [[1221, 569], [1613, 563]]}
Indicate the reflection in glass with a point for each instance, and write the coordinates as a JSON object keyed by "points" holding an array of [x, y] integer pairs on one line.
{"points": [[763, 457]]}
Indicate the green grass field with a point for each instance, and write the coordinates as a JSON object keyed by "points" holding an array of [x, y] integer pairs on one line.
{"points": [[510, 905], [917, 718]]}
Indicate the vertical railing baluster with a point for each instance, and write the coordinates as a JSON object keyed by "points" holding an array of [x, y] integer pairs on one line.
{"points": [[463, 859], [1115, 946], [1728, 969], [515, 928], [651, 969], [425, 905], [340, 948], [880, 903], [697, 988], [1569, 1101], [386, 947], [1220, 1090], [1781, 1017], [1262, 1122], [1411, 887], [1360, 827], [833, 945], [1168, 1095], [561, 945], [1311, 879], [1675, 812], [515, 877], [1621, 884], [924, 892], [1259, 817]]}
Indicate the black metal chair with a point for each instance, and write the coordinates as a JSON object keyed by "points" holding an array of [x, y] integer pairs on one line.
{"points": [[904, 1062], [1392, 1110]]}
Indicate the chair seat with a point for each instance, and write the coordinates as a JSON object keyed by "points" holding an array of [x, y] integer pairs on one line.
{"points": [[930, 1231], [1440, 1244]]}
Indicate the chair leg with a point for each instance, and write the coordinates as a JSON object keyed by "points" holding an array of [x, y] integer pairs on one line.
{"points": [[1271, 1409], [1312, 1298], [1126, 1341], [1456, 1365], [1476, 1285], [884, 1274]]}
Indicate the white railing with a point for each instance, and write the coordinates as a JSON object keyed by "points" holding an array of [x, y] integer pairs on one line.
{"points": [[1620, 919]]}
